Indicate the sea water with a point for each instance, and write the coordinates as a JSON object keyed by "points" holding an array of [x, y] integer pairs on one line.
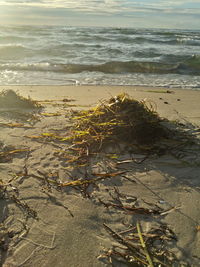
{"points": [[61, 55]]}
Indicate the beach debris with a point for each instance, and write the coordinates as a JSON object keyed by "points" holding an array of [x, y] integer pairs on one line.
{"points": [[11, 99], [50, 136], [15, 125], [130, 209], [120, 123], [162, 201], [198, 228], [124, 123], [129, 205], [24, 207], [148, 257], [8, 194], [120, 119], [23, 116], [161, 91], [109, 175], [52, 114], [7, 152], [165, 212], [68, 100], [137, 246], [51, 179], [16, 107], [64, 103], [50, 101], [142, 248], [115, 123]]}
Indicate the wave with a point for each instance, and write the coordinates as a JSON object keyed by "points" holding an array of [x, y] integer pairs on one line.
{"points": [[189, 66], [188, 41], [193, 62]]}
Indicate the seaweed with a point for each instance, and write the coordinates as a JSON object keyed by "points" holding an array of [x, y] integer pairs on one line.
{"points": [[122, 123], [142, 248], [121, 119], [10, 193], [7, 152], [11, 99], [118, 123], [161, 91], [18, 108], [139, 248]]}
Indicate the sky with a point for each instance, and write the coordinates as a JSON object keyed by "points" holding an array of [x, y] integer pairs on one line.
{"points": [[179, 14]]}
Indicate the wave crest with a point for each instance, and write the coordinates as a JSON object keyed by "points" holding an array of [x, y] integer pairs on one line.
{"points": [[189, 66]]}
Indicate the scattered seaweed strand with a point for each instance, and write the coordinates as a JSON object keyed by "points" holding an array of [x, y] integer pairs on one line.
{"points": [[144, 245], [82, 182], [121, 240]]}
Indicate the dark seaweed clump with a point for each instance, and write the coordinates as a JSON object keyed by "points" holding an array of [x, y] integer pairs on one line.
{"points": [[121, 119]]}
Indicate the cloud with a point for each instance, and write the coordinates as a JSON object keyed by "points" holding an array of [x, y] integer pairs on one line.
{"points": [[104, 5], [90, 6], [61, 10]]}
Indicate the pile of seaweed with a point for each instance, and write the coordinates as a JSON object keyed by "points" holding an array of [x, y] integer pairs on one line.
{"points": [[10, 99], [120, 120], [16, 107]]}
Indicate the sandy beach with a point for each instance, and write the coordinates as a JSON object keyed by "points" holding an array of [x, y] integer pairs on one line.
{"points": [[49, 227]]}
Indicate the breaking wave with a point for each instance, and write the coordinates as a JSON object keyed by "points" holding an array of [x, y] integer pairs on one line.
{"points": [[189, 66]]}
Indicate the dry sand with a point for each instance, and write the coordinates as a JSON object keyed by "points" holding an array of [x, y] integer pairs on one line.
{"points": [[68, 229]]}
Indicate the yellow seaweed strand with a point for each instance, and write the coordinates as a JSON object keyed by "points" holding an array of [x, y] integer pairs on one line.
{"points": [[144, 245]]}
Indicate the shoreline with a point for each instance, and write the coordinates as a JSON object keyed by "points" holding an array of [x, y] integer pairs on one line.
{"points": [[99, 85], [105, 85]]}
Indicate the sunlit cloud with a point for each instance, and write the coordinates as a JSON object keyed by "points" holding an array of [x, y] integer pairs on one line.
{"points": [[109, 5], [166, 11]]}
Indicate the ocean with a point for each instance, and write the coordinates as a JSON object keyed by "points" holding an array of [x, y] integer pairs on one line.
{"points": [[59, 55]]}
